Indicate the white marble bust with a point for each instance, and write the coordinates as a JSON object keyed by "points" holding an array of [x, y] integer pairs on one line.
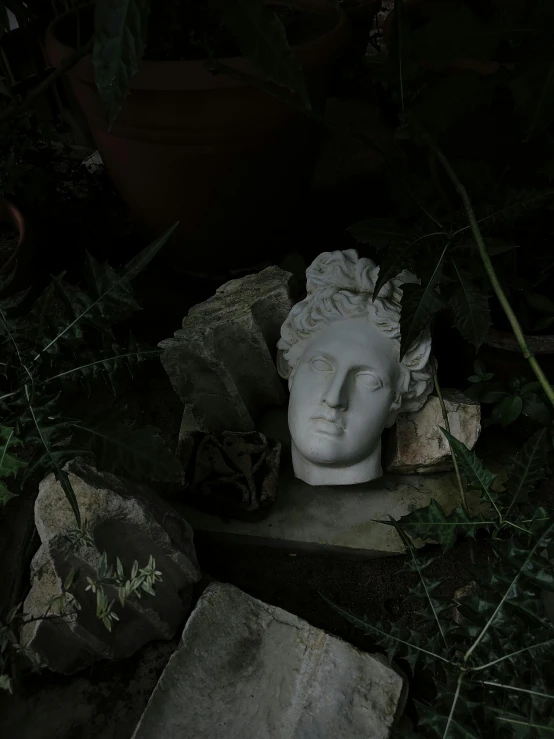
{"points": [[340, 351]]}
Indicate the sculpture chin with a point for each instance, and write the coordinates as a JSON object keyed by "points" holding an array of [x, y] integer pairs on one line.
{"points": [[321, 473]]}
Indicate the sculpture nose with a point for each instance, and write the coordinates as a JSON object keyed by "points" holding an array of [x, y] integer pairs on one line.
{"points": [[336, 393]]}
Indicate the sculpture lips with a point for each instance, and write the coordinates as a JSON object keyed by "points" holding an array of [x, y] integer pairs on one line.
{"points": [[332, 423]]}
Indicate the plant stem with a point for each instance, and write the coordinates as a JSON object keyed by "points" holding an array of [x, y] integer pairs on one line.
{"points": [[499, 607], [487, 263], [447, 424], [454, 704]]}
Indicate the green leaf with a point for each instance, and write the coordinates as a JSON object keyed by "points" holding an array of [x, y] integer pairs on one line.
{"points": [[5, 494], [493, 396], [527, 469], [431, 523], [120, 28], [477, 475], [479, 368], [530, 387], [135, 265], [4, 20], [471, 309], [538, 301], [63, 478], [5, 683], [507, 410], [111, 290], [106, 366], [397, 257], [443, 725], [542, 325], [535, 409], [264, 42], [497, 246], [419, 306], [9, 465], [378, 232], [112, 293], [135, 452]]}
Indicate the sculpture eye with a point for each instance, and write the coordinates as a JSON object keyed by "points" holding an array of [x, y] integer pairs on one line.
{"points": [[369, 380], [321, 365]]}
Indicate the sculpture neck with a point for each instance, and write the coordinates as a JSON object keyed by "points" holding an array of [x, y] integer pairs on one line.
{"points": [[325, 475]]}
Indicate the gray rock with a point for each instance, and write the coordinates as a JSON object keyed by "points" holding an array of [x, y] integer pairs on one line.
{"points": [[248, 670], [126, 521], [221, 362], [417, 445]]}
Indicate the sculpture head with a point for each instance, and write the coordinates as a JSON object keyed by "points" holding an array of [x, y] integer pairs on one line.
{"points": [[340, 351]]}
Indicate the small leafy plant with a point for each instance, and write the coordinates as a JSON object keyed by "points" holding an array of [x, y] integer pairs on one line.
{"points": [[509, 401], [52, 353], [66, 606], [67, 342]]}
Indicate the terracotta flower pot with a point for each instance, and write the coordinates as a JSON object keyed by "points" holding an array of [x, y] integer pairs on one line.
{"points": [[224, 158], [21, 256]]}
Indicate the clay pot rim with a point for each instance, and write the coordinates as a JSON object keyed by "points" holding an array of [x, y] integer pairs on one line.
{"points": [[12, 215], [507, 341], [189, 75]]}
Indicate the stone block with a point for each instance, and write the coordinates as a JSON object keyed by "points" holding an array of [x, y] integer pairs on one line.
{"points": [[418, 446], [340, 520], [125, 521], [248, 670], [221, 362], [336, 520]]}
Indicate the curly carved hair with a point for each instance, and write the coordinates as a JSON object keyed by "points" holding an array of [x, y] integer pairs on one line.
{"points": [[340, 285]]}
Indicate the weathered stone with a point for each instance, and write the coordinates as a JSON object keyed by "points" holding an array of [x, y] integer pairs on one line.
{"points": [[221, 362], [126, 521], [248, 670], [417, 445], [336, 520]]}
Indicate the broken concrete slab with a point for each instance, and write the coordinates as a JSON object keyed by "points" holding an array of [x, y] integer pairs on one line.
{"points": [[335, 520], [418, 446], [128, 522], [221, 362], [248, 670]]}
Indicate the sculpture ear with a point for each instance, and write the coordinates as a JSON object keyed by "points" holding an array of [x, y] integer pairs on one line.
{"points": [[393, 415], [391, 420]]}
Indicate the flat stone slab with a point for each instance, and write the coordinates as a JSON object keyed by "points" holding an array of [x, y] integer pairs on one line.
{"points": [[342, 520], [248, 670]]}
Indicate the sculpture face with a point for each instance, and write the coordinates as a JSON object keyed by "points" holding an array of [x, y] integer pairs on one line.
{"points": [[340, 351], [341, 397]]}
